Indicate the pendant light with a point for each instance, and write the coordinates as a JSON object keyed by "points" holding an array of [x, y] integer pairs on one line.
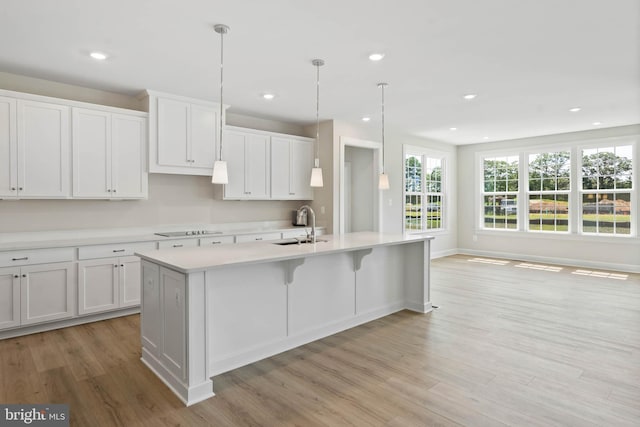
{"points": [[220, 175], [316, 172], [383, 179]]}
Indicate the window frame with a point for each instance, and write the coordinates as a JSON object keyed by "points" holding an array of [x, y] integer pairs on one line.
{"points": [[517, 193], [425, 153], [575, 148], [633, 191]]}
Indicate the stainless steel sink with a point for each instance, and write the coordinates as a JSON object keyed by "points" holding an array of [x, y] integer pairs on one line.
{"points": [[295, 241]]}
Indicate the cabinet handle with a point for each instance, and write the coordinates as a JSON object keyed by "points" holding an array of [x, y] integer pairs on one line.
{"points": [[20, 259], [20, 188], [178, 246], [292, 194], [215, 243], [108, 191], [13, 188], [24, 275], [258, 238], [114, 191], [16, 276], [121, 265], [118, 250], [115, 265]]}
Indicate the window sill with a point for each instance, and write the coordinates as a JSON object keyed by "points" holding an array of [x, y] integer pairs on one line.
{"points": [[620, 239]]}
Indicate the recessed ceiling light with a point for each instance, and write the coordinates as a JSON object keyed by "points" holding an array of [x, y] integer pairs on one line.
{"points": [[376, 56], [453, 128], [366, 119], [470, 96], [485, 137], [268, 96], [98, 56], [596, 123], [575, 109]]}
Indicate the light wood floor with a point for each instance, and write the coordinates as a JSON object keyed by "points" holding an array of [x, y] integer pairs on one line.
{"points": [[508, 346]]}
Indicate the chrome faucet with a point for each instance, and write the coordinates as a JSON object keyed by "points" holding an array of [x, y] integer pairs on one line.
{"points": [[312, 214]]}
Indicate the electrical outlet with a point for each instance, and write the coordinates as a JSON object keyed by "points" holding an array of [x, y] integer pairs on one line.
{"points": [[322, 210], [390, 202]]}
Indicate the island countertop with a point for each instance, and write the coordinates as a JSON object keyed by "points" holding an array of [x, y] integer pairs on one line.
{"points": [[190, 260]]}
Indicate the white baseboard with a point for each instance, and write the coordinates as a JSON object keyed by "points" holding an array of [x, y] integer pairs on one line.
{"points": [[571, 262], [442, 254]]}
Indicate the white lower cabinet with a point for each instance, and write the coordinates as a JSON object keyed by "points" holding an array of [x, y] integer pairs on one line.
{"points": [[46, 292], [9, 297], [108, 284]]}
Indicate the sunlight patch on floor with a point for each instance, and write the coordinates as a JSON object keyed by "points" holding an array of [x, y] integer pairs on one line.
{"points": [[552, 268], [603, 274], [489, 261]]}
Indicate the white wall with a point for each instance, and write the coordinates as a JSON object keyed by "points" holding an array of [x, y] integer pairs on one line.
{"points": [[595, 251]]}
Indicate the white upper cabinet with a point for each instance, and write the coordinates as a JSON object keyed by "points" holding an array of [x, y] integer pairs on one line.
{"points": [[291, 164], [248, 164], [108, 155], [8, 148], [183, 134], [35, 149]]}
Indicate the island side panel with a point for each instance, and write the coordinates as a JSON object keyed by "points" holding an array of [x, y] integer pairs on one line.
{"points": [[247, 313], [416, 276], [379, 288]]}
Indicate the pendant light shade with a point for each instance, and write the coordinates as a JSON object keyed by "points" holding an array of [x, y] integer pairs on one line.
{"points": [[383, 179], [220, 175], [316, 172]]}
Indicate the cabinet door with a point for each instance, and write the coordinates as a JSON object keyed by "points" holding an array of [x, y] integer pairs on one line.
{"points": [[233, 153], [128, 153], [257, 167], [173, 350], [91, 136], [8, 148], [281, 169], [291, 163], [44, 146], [98, 285], [46, 292], [203, 136], [129, 281], [9, 297], [173, 133], [301, 165]]}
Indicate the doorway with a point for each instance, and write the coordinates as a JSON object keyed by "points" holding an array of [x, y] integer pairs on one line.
{"points": [[360, 208]]}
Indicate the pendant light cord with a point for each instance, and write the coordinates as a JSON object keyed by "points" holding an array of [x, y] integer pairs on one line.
{"points": [[318, 110], [382, 85], [221, 83]]}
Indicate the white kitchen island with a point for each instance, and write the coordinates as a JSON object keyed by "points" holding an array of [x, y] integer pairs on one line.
{"points": [[209, 310]]}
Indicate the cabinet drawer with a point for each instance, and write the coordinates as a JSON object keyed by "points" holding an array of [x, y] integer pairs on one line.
{"points": [[114, 250], [210, 241], [35, 256], [258, 237], [178, 243]]}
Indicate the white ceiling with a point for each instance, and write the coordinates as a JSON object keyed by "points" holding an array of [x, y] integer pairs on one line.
{"points": [[528, 61]]}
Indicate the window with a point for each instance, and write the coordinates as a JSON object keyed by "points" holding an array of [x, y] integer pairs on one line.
{"points": [[607, 182], [500, 192], [423, 192], [549, 190]]}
